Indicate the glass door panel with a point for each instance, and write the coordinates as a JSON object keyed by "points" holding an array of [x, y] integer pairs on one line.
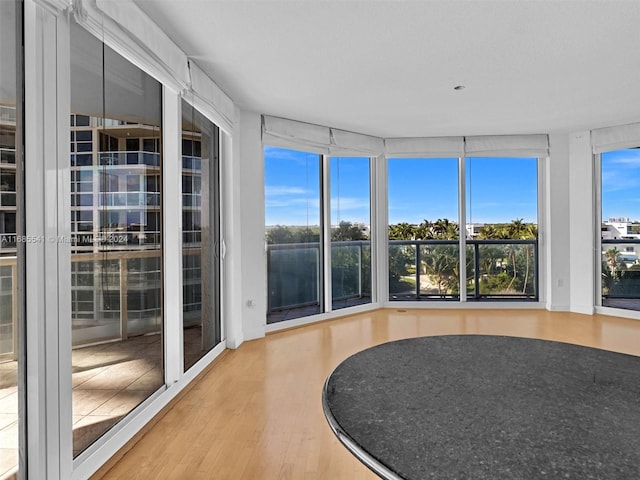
{"points": [[200, 235], [350, 231], [116, 211], [293, 224]]}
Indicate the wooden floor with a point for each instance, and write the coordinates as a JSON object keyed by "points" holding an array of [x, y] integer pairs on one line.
{"points": [[257, 414]]}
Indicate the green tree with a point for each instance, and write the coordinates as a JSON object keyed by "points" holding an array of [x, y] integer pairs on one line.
{"points": [[280, 234], [346, 231], [401, 231]]}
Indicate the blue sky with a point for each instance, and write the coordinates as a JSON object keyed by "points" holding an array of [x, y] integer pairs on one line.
{"points": [[621, 184], [498, 189]]}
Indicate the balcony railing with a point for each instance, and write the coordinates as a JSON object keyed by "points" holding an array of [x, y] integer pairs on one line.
{"points": [[117, 294], [418, 270], [149, 159], [7, 156], [620, 283], [430, 270], [8, 114], [294, 274], [128, 199]]}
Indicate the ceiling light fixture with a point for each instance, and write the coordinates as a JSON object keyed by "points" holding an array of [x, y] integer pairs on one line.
{"points": [[459, 87]]}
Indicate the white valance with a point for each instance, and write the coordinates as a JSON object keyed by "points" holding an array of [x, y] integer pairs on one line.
{"points": [[282, 132], [615, 138], [125, 28], [507, 146], [443, 147], [210, 99], [344, 143]]}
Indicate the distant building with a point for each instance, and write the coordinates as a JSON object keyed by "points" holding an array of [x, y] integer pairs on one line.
{"points": [[473, 229], [620, 228]]}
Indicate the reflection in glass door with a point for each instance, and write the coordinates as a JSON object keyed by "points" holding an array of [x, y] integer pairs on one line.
{"points": [[12, 416], [116, 243], [200, 235]]}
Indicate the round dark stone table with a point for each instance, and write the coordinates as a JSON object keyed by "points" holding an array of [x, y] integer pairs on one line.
{"points": [[488, 407]]}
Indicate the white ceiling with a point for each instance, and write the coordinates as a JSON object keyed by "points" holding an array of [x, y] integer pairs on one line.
{"points": [[388, 68]]}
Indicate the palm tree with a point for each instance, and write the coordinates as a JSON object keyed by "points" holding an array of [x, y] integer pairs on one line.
{"points": [[515, 230], [530, 231], [443, 228], [401, 231], [488, 232], [613, 260]]}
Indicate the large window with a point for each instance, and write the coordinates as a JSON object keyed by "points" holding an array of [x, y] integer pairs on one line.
{"points": [[620, 229], [12, 415], [499, 229], [294, 233], [502, 228], [200, 235], [116, 264], [350, 231], [318, 227], [423, 228]]}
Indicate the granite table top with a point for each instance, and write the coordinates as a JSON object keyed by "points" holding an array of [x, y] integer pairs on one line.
{"points": [[488, 407]]}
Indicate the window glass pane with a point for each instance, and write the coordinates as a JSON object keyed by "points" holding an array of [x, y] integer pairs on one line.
{"points": [[293, 224], [350, 232], [502, 228], [116, 254], [620, 229], [12, 391], [423, 229], [200, 238]]}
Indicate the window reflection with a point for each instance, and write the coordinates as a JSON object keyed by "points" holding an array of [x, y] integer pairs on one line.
{"points": [[116, 237], [12, 416], [200, 235]]}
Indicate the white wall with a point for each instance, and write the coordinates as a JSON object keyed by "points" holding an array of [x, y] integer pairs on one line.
{"points": [[250, 185], [556, 233], [581, 223]]}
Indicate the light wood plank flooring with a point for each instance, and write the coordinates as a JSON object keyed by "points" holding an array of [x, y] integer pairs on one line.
{"points": [[257, 414]]}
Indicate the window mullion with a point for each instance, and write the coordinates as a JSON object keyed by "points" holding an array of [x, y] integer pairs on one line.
{"points": [[172, 237], [325, 232], [462, 215]]}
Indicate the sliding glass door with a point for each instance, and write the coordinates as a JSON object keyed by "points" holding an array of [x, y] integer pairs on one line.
{"points": [[200, 235], [116, 214]]}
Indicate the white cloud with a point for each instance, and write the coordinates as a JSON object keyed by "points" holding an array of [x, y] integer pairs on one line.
{"points": [[280, 190]]}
